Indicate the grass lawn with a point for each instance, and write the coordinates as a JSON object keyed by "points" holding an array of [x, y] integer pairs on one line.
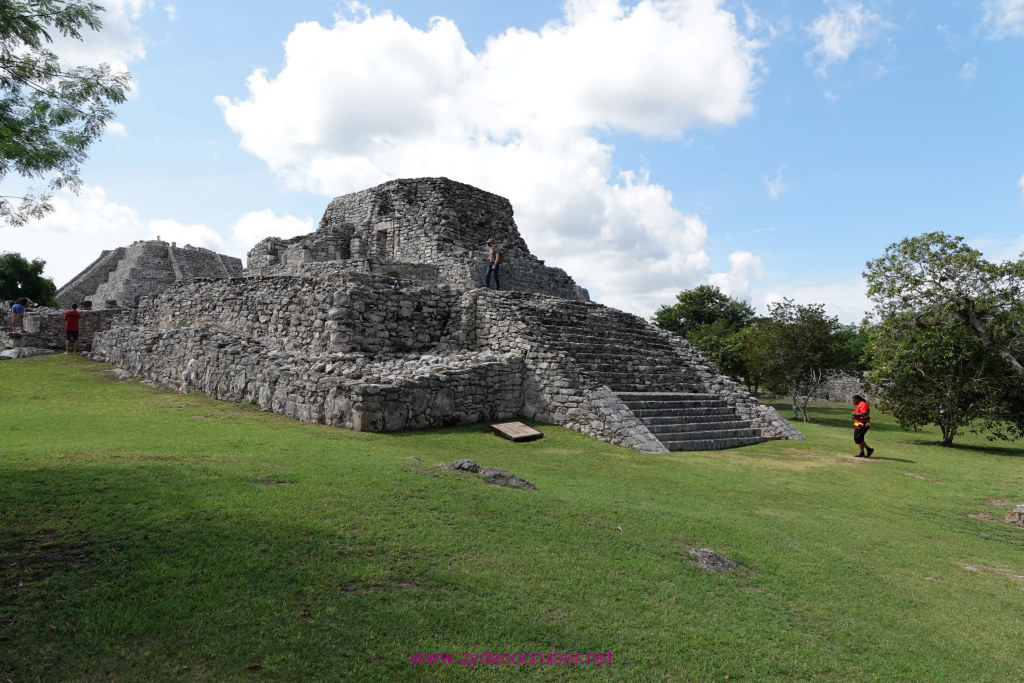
{"points": [[147, 535]]}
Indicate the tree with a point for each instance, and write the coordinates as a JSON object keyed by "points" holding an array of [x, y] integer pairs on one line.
{"points": [[942, 375], [852, 349], [19, 277], [50, 113], [793, 349], [939, 281], [713, 322], [704, 305], [935, 294]]}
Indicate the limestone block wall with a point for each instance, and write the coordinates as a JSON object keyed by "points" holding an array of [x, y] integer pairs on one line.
{"points": [[353, 391], [44, 327], [342, 270], [422, 216], [190, 262], [841, 388], [367, 313]]}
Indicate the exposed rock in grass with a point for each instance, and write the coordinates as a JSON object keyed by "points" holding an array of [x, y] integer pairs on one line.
{"points": [[712, 561], [461, 465], [1016, 515], [492, 475], [502, 477], [10, 354]]}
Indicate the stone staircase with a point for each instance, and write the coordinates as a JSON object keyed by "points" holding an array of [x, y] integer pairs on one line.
{"points": [[621, 353], [644, 369], [685, 421]]}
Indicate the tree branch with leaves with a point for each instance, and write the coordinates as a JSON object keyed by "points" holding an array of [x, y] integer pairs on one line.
{"points": [[50, 113]]}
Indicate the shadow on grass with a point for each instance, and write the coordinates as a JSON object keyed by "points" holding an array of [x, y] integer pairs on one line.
{"points": [[883, 457], [171, 571], [1004, 451]]}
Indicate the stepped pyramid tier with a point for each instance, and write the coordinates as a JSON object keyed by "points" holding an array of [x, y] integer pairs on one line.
{"points": [[431, 228], [119, 277], [387, 328]]}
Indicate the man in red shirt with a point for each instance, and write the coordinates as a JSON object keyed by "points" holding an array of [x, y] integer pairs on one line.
{"points": [[71, 319], [861, 425]]}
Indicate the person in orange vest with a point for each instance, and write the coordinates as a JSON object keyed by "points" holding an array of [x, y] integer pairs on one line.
{"points": [[861, 425]]}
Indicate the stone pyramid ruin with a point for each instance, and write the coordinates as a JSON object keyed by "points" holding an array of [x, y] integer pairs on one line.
{"points": [[378, 321]]}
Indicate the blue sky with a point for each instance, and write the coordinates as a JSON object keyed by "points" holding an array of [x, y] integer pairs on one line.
{"points": [[770, 148]]}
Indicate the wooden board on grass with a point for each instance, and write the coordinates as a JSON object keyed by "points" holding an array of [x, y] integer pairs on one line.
{"points": [[516, 431]]}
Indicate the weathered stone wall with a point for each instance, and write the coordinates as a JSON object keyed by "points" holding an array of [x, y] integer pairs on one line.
{"points": [[399, 355], [432, 221], [840, 388], [354, 390], [44, 327], [367, 313]]}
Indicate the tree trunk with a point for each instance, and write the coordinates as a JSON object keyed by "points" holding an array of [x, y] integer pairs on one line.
{"points": [[948, 432]]}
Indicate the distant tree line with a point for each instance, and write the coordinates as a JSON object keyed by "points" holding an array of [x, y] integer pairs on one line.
{"points": [[944, 345]]}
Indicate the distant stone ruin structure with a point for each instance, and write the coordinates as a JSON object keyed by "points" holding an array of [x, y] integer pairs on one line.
{"points": [[378, 321], [432, 229], [120, 277]]}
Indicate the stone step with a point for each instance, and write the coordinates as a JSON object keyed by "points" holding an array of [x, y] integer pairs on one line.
{"points": [[669, 428], [713, 444], [627, 396], [618, 387], [683, 412], [704, 402], [680, 436], [689, 419]]}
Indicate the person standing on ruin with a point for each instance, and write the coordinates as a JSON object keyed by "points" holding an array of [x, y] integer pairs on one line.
{"points": [[18, 313], [71, 320], [494, 259], [861, 425]]}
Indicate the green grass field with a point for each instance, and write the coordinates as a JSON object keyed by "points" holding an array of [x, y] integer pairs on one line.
{"points": [[147, 535]]}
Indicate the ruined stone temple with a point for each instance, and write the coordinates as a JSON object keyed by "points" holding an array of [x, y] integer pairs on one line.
{"points": [[379, 321], [120, 277]]}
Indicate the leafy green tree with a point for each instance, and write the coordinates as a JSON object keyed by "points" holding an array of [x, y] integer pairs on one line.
{"points": [[938, 281], [713, 322], [942, 375], [704, 305], [852, 349], [20, 277], [50, 113], [960, 321], [793, 350]]}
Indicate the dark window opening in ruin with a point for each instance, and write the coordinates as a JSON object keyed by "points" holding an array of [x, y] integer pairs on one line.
{"points": [[382, 243]]}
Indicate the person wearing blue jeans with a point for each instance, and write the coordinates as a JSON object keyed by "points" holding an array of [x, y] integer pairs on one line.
{"points": [[493, 260]]}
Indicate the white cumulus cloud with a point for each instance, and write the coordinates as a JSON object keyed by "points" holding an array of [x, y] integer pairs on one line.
{"points": [[1003, 18], [846, 27], [372, 98], [736, 283], [257, 225], [118, 43]]}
